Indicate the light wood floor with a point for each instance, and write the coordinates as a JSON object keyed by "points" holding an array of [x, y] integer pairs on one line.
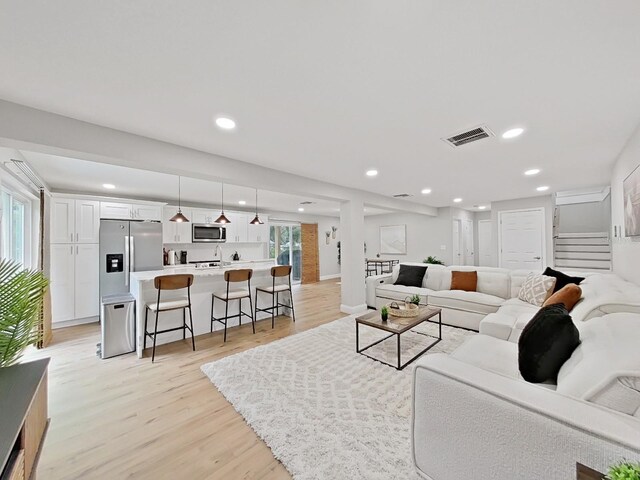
{"points": [[124, 418]]}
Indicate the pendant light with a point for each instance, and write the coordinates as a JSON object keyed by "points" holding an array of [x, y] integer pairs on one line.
{"points": [[222, 218], [256, 220], [179, 217]]}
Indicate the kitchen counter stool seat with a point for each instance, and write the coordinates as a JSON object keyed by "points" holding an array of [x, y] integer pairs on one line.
{"points": [[279, 271], [170, 282], [234, 276]]}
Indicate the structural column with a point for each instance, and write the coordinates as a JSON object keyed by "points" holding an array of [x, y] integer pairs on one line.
{"points": [[352, 257]]}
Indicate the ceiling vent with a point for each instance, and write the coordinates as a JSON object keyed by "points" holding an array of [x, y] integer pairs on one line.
{"points": [[402, 195], [469, 136]]}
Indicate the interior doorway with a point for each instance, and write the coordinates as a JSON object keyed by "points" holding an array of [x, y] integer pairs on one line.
{"points": [[285, 246], [484, 243], [456, 254], [521, 239]]}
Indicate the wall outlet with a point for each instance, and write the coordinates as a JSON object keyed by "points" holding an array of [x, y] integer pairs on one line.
{"points": [[443, 247]]}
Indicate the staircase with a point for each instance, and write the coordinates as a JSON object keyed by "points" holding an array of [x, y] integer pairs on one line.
{"points": [[583, 251]]}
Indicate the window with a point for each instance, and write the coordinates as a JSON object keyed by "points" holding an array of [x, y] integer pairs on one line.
{"points": [[285, 246], [15, 227]]}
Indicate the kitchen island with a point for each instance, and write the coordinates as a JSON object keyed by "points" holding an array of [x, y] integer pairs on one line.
{"points": [[205, 282]]}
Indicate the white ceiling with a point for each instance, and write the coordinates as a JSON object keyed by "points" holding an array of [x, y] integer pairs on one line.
{"points": [[72, 175], [329, 89]]}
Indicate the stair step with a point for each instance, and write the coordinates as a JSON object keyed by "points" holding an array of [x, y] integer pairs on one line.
{"points": [[583, 256], [584, 248], [582, 241], [591, 264], [583, 235]]}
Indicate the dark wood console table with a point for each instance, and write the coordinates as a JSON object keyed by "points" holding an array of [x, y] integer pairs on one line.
{"points": [[23, 418]]}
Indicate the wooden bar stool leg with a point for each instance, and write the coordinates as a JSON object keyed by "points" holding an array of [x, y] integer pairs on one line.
{"points": [[193, 340]]}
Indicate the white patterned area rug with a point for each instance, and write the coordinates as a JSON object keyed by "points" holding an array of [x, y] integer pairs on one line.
{"points": [[326, 411]]}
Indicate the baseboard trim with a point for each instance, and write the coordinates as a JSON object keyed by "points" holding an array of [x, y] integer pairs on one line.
{"points": [[351, 310], [329, 277], [74, 322]]}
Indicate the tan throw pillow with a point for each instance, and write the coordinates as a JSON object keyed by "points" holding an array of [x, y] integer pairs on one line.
{"points": [[568, 295], [467, 281], [536, 289]]}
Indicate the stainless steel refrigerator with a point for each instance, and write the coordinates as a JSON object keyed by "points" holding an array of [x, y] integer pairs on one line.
{"points": [[125, 247]]}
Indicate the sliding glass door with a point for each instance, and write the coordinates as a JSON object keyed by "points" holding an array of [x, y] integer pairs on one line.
{"points": [[285, 246]]}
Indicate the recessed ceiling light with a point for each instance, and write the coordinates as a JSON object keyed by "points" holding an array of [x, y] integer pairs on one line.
{"points": [[225, 123], [372, 173], [533, 171], [482, 207], [242, 202], [109, 186], [513, 133], [425, 191], [300, 209], [457, 200], [542, 188]]}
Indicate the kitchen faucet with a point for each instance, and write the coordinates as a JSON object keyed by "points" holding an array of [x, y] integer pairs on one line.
{"points": [[218, 250]]}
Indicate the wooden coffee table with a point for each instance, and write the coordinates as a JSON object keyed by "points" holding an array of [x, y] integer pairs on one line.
{"points": [[397, 326]]}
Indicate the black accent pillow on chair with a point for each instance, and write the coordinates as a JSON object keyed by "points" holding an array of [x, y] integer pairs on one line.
{"points": [[546, 342], [562, 279], [411, 275]]}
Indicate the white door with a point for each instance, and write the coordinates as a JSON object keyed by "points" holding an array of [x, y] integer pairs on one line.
{"points": [[62, 282], [87, 275], [522, 239], [484, 243], [457, 243], [87, 221], [258, 233], [146, 212], [115, 211], [62, 220], [467, 241], [183, 229], [199, 215]]}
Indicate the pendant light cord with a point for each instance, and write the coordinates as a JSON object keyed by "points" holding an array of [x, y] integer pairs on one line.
{"points": [[179, 194]]}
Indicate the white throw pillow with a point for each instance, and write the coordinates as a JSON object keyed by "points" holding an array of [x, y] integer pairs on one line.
{"points": [[536, 289], [605, 368]]}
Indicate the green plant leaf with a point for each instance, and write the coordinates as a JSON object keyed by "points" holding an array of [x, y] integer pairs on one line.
{"points": [[21, 293]]}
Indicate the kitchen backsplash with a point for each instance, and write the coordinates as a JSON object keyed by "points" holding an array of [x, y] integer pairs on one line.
{"points": [[198, 252]]}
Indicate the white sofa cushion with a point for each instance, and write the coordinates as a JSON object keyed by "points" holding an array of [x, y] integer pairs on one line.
{"points": [[475, 302], [491, 354], [515, 306], [400, 292], [497, 325], [605, 368], [536, 289], [492, 281]]}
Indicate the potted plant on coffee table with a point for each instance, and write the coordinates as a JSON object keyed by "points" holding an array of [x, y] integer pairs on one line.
{"points": [[21, 294], [384, 313]]}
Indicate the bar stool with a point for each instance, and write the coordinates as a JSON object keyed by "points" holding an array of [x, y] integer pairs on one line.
{"points": [[234, 276], [274, 290], [170, 282]]}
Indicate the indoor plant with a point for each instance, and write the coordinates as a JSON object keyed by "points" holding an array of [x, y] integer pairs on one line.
{"points": [[384, 313], [624, 471], [415, 299], [433, 260], [21, 293]]}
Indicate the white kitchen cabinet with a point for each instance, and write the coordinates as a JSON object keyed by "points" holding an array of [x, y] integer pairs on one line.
{"points": [[238, 229], [87, 284], [74, 221], [201, 215], [62, 282], [258, 233], [146, 212], [74, 281], [176, 232], [115, 211]]}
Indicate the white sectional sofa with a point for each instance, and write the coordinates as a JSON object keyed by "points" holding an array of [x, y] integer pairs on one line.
{"points": [[475, 417], [494, 309]]}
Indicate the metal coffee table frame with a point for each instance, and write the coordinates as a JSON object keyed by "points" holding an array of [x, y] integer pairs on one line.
{"points": [[398, 333]]}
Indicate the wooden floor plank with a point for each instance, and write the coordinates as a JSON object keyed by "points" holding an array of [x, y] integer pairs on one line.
{"points": [[124, 418]]}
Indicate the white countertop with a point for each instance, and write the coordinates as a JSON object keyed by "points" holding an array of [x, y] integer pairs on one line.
{"points": [[256, 265]]}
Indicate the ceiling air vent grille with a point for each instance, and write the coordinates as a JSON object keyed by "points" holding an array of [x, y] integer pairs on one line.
{"points": [[402, 195], [469, 136]]}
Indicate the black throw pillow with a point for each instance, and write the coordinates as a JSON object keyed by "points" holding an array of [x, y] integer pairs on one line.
{"points": [[562, 279], [411, 275], [546, 342]]}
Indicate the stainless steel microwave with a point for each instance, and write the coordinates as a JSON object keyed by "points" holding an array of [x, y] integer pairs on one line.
{"points": [[204, 233]]}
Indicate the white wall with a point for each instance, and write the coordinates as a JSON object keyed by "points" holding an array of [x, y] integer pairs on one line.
{"points": [[425, 235], [585, 217], [626, 251], [545, 201]]}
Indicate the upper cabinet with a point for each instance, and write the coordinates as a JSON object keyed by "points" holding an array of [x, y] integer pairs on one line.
{"points": [[240, 230], [176, 232], [201, 215], [74, 221], [258, 233], [130, 211]]}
